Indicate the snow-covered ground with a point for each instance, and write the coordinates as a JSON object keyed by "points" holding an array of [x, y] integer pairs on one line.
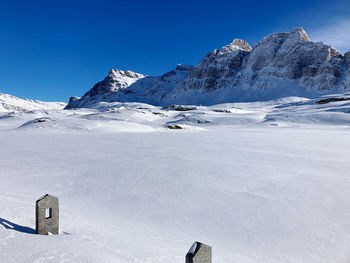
{"points": [[260, 182], [12, 103]]}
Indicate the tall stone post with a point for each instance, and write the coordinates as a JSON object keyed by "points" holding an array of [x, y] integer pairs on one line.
{"points": [[199, 253], [47, 215]]}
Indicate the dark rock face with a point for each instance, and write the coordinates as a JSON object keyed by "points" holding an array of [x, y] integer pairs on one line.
{"points": [[180, 108], [174, 127], [42, 119], [325, 101], [217, 67], [71, 99], [347, 58], [281, 64]]}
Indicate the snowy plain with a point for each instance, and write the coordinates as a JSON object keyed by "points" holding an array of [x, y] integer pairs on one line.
{"points": [[259, 182]]}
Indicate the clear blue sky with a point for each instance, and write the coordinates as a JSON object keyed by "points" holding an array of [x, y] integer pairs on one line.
{"points": [[51, 50]]}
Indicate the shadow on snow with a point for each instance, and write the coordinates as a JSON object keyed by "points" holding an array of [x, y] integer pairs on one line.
{"points": [[10, 225]]}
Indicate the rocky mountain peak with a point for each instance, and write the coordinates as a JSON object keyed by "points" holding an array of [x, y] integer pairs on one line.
{"points": [[294, 37], [117, 73], [237, 44], [279, 65], [299, 33], [241, 44], [116, 80]]}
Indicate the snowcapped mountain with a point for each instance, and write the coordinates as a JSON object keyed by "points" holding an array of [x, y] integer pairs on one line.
{"points": [[12, 103], [125, 86], [280, 65]]}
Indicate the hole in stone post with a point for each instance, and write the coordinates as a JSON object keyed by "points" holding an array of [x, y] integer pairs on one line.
{"points": [[48, 213]]}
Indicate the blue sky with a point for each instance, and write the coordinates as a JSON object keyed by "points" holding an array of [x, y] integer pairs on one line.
{"points": [[51, 50]]}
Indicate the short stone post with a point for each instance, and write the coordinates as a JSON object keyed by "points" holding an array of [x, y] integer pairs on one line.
{"points": [[199, 253], [47, 215]]}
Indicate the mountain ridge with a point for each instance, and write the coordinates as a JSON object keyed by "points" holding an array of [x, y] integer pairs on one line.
{"points": [[279, 65], [10, 103]]}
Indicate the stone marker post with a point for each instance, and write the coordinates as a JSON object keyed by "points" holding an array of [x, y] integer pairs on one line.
{"points": [[47, 215], [199, 253]]}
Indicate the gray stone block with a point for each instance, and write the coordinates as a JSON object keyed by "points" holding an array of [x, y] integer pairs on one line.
{"points": [[47, 215], [199, 253]]}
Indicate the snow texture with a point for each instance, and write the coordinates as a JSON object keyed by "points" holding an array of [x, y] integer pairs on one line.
{"points": [[10, 103], [260, 182]]}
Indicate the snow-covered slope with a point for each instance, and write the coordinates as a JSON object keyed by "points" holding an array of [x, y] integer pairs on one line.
{"points": [[130, 86], [12, 103], [280, 65], [331, 110], [256, 193], [262, 182]]}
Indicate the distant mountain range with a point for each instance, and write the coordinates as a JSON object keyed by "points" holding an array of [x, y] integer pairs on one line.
{"points": [[9, 103], [280, 65]]}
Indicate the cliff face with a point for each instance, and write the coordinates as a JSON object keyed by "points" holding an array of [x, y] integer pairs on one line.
{"points": [[281, 64]]}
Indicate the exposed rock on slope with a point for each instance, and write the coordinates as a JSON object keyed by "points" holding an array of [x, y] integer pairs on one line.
{"points": [[218, 67], [130, 86], [281, 64]]}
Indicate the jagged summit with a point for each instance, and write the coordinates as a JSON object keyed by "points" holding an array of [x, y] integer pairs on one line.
{"points": [[237, 44], [302, 34], [116, 73], [294, 36], [116, 80], [279, 65], [242, 44]]}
